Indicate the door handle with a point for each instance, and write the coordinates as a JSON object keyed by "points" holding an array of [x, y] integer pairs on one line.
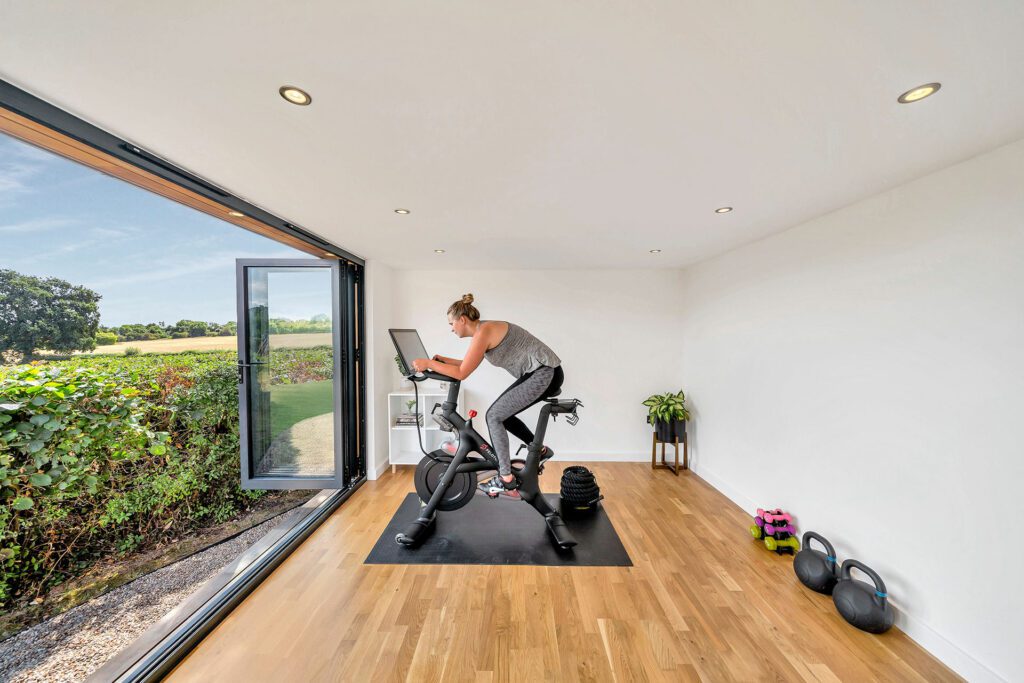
{"points": [[241, 365]]}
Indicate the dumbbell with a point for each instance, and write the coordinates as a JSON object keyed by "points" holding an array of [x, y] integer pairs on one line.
{"points": [[772, 516], [783, 545], [772, 529]]}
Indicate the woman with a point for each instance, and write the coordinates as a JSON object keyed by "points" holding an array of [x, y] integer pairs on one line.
{"points": [[538, 373]]}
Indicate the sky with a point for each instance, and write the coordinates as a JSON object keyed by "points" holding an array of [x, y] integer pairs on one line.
{"points": [[151, 259]]}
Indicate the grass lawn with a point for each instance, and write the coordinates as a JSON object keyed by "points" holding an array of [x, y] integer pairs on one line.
{"points": [[291, 403]]}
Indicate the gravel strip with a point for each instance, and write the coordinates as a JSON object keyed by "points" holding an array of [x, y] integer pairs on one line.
{"points": [[72, 645]]}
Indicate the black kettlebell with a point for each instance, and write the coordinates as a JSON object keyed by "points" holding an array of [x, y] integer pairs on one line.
{"points": [[815, 569], [863, 605]]}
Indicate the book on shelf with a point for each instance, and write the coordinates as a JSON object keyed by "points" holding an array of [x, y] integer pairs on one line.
{"points": [[408, 419]]}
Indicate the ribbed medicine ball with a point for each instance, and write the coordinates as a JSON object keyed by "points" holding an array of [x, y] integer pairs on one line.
{"points": [[580, 492]]}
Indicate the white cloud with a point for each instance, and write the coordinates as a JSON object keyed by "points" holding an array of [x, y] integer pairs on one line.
{"points": [[114, 233], [37, 225], [161, 270], [19, 162]]}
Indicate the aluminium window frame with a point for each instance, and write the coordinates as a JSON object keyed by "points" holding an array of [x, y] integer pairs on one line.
{"points": [[169, 641]]}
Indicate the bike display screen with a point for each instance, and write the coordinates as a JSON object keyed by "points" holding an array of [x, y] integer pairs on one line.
{"points": [[409, 347]]}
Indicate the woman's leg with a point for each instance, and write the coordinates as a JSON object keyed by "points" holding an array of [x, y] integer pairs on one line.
{"points": [[526, 391], [517, 427]]}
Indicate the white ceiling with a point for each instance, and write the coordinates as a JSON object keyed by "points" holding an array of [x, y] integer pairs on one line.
{"points": [[548, 134]]}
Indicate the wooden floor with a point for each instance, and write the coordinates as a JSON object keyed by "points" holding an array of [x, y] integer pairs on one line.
{"points": [[703, 601]]}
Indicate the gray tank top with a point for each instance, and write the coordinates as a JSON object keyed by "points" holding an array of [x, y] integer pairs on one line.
{"points": [[520, 352]]}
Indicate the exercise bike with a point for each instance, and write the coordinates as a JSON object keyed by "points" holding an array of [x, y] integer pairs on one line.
{"points": [[448, 482]]}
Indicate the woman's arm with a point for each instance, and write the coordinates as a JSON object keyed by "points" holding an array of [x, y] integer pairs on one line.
{"points": [[464, 368], [446, 359]]}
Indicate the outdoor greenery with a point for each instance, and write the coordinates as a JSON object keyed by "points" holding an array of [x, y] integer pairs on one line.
{"points": [[179, 330], [318, 323], [50, 314], [46, 313], [293, 403], [106, 454], [197, 328]]}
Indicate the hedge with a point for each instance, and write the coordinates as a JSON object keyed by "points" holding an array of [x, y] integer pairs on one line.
{"points": [[107, 455]]}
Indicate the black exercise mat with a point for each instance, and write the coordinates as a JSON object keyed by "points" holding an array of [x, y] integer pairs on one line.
{"points": [[501, 531]]}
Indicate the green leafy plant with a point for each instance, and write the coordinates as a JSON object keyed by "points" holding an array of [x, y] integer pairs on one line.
{"points": [[132, 351], [106, 338], [667, 407], [401, 368]]}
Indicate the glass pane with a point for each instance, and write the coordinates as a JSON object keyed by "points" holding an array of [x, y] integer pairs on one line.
{"points": [[291, 387]]}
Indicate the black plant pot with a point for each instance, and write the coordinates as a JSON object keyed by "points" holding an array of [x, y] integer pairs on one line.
{"points": [[668, 431]]}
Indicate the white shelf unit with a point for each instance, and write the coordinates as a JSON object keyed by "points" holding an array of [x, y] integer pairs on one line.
{"points": [[402, 446]]}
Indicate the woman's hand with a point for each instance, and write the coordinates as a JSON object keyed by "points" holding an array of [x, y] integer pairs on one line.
{"points": [[420, 364]]}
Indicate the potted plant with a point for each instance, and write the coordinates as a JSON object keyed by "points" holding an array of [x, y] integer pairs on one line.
{"points": [[405, 382], [668, 414]]}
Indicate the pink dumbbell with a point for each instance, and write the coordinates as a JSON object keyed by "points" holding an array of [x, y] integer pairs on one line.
{"points": [[772, 516]]}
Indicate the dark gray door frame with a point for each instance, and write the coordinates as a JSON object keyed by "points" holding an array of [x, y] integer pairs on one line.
{"points": [[339, 322]]}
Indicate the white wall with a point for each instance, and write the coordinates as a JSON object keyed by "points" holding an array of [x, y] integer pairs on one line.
{"points": [[379, 363], [615, 332], [866, 371]]}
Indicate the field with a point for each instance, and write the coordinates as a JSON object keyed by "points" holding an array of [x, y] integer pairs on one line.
{"points": [[295, 341]]}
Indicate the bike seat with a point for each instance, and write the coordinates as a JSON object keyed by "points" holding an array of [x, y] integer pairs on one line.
{"points": [[554, 393], [567, 406]]}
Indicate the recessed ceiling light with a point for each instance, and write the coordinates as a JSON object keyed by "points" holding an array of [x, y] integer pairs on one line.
{"points": [[295, 95], [236, 214], [439, 251], [724, 209], [918, 93], [655, 251], [402, 211]]}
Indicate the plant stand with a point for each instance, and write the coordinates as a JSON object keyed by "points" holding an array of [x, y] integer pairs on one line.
{"points": [[655, 465]]}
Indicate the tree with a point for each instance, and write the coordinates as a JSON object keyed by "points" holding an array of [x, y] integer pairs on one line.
{"points": [[131, 332], [46, 313], [191, 328]]}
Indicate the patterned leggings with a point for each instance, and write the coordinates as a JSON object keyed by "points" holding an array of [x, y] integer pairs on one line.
{"points": [[526, 391]]}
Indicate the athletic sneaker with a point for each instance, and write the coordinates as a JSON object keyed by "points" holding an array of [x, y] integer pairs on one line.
{"points": [[495, 487]]}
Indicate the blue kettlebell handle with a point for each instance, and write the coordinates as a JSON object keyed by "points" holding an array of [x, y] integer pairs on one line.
{"points": [[880, 594], [830, 552]]}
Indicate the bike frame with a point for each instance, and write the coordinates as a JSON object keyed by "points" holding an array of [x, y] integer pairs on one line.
{"points": [[470, 441]]}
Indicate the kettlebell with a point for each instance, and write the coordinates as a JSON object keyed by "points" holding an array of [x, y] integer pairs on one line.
{"points": [[863, 605], [817, 570]]}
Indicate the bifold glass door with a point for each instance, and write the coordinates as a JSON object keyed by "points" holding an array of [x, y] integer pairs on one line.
{"points": [[298, 372]]}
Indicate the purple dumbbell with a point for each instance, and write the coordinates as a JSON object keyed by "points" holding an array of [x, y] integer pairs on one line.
{"points": [[772, 529]]}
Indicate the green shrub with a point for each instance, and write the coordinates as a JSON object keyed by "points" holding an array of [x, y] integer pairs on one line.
{"points": [[101, 455], [132, 351], [110, 454], [106, 338]]}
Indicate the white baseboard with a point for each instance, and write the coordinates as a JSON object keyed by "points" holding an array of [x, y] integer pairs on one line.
{"points": [[581, 456], [945, 651], [609, 456], [726, 490], [922, 634]]}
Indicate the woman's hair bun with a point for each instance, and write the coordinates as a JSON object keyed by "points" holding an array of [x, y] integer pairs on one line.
{"points": [[467, 298]]}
